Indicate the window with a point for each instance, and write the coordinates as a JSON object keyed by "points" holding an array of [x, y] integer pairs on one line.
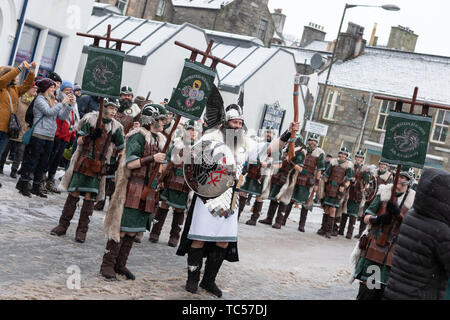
{"points": [[333, 100], [349, 145], [27, 46], [50, 55], [262, 29], [161, 8], [383, 113], [440, 129], [122, 5]]}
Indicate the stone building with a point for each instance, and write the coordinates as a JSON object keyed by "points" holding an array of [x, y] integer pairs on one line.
{"points": [[311, 33], [402, 38], [386, 72], [251, 18]]}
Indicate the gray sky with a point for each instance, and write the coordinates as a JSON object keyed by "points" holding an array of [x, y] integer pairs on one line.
{"points": [[428, 19]]}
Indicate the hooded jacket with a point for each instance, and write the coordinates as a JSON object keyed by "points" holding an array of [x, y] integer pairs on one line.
{"points": [[421, 264]]}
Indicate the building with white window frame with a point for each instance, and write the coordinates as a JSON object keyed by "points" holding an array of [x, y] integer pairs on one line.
{"points": [[44, 32]]}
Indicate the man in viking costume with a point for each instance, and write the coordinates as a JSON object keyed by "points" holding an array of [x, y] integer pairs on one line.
{"points": [[384, 218], [282, 184], [382, 176], [89, 165], [307, 181], [337, 178], [128, 214], [211, 226], [255, 178], [127, 115], [357, 188], [175, 191]]}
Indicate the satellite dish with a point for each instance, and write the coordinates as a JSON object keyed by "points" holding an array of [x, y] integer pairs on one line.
{"points": [[317, 61]]}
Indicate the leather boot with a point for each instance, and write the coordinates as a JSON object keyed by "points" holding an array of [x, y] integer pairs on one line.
{"points": [[351, 226], [342, 224], [303, 216], [177, 222], [270, 213], [66, 216], [100, 205], [158, 224], [255, 215], [242, 203], [335, 227], [24, 188], [13, 174], [83, 223], [214, 260], [329, 227], [37, 190], [288, 212], [321, 231], [50, 186], [362, 227], [121, 261], [280, 216], [194, 261], [109, 259]]}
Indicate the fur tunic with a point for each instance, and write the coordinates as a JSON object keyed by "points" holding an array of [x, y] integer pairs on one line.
{"points": [[112, 126], [113, 216]]}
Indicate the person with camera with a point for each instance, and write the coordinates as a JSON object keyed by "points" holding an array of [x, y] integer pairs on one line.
{"points": [[10, 91]]}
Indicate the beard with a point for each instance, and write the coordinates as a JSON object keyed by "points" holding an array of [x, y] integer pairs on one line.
{"points": [[125, 104]]}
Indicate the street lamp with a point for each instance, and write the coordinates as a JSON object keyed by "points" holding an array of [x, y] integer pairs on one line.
{"points": [[389, 7]]}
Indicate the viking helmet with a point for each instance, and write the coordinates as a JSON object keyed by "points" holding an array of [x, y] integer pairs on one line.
{"points": [[108, 102], [149, 115], [344, 150], [360, 154], [126, 90], [162, 110], [313, 137], [234, 111], [191, 124]]}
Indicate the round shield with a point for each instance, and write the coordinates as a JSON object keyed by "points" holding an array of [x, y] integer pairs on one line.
{"points": [[209, 170]]}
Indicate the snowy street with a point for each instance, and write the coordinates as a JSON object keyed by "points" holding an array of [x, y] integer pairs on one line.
{"points": [[274, 264]]}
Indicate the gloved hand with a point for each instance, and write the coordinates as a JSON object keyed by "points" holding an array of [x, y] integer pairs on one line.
{"points": [[392, 208], [384, 219], [112, 168], [244, 170], [96, 133]]}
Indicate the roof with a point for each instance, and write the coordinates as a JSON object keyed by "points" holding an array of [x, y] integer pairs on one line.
{"points": [[395, 73], [302, 54], [151, 34], [248, 53], [204, 4], [317, 45]]}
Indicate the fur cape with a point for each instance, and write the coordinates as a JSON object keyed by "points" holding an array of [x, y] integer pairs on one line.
{"points": [[113, 216], [285, 193], [91, 118], [384, 191]]}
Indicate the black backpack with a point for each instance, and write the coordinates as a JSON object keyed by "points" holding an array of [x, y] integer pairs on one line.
{"points": [[29, 115]]}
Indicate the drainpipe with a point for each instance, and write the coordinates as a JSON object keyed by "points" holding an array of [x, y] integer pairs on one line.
{"points": [[18, 31], [365, 121]]}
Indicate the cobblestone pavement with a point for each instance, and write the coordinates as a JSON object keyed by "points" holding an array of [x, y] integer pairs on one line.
{"points": [[274, 264]]}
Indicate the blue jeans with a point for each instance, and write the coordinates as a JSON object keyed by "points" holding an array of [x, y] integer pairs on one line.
{"points": [[4, 139], [37, 155]]}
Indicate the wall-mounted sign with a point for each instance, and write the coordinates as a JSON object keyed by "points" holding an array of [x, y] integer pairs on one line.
{"points": [[273, 116], [316, 127]]}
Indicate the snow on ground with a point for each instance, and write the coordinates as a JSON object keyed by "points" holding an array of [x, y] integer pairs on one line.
{"points": [[274, 264]]}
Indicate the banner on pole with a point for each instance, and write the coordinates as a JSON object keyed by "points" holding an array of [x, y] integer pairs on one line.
{"points": [[406, 141], [191, 95], [102, 75]]}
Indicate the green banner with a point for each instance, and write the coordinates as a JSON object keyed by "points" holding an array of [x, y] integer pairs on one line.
{"points": [[193, 90], [102, 75], [406, 141]]}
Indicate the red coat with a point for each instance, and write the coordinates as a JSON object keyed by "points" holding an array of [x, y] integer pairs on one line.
{"points": [[63, 127]]}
